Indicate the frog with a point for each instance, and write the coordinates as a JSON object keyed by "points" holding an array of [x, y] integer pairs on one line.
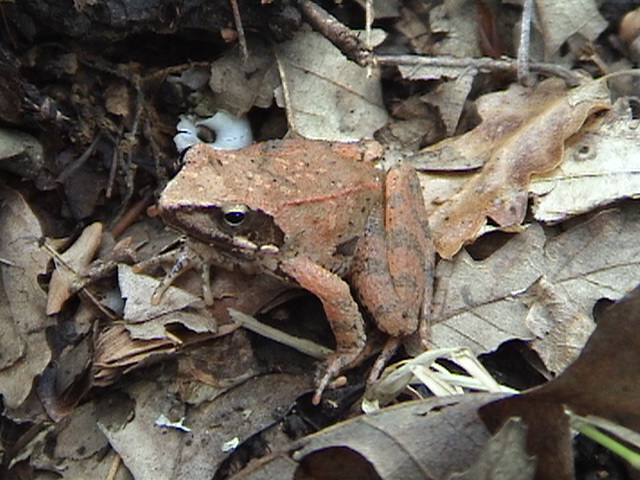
{"points": [[317, 215]]}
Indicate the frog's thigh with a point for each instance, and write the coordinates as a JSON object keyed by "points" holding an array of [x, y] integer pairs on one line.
{"points": [[341, 309], [394, 264]]}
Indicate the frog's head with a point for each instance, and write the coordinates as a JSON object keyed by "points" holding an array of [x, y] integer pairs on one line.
{"points": [[232, 227]]}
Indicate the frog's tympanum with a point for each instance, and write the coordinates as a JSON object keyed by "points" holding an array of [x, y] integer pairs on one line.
{"points": [[316, 215]]}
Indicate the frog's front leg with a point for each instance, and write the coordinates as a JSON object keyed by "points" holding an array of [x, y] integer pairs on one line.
{"points": [[392, 271], [342, 313]]}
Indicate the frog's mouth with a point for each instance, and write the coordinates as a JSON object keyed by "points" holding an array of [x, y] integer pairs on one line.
{"points": [[231, 227]]}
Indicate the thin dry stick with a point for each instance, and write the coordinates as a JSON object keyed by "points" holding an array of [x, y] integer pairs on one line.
{"points": [[130, 215], [301, 344], [285, 91], [113, 468], [237, 19], [369, 15], [525, 42], [485, 64], [113, 170], [78, 162], [336, 32]]}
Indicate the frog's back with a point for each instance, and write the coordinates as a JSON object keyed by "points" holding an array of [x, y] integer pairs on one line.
{"points": [[318, 194]]}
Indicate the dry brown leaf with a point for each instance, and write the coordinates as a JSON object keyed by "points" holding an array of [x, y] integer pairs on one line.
{"points": [[147, 321], [450, 98], [603, 381], [481, 304], [21, 153], [457, 23], [116, 353], [79, 449], [559, 20], [413, 26], [504, 456], [522, 134], [240, 84], [70, 265], [394, 443], [23, 323], [559, 325], [118, 99], [150, 451], [326, 96]]}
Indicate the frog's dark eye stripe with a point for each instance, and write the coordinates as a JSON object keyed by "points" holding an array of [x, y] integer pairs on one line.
{"points": [[234, 215]]}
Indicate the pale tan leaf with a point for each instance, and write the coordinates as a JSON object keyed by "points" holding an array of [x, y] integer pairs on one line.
{"points": [[326, 96], [70, 264], [561, 328], [481, 304], [601, 165], [559, 20], [476, 302], [240, 84], [457, 21], [450, 98], [147, 321], [23, 321]]}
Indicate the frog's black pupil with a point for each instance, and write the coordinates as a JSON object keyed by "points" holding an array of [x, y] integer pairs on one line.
{"points": [[234, 218]]}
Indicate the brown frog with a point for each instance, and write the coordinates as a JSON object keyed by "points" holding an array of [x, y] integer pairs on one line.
{"points": [[317, 215]]}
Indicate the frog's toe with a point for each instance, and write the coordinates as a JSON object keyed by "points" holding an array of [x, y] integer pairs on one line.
{"points": [[385, 355], [335, 364]]}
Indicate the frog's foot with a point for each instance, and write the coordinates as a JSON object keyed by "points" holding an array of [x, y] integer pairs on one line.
{"points": [[385, 355], [336, 363], [184, 260]]}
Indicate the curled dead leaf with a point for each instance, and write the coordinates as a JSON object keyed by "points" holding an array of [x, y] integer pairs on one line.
{"points": [[522, 134]]}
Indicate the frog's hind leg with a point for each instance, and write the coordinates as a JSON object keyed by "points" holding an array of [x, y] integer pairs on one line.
{"points": [[410, 251], [392, 271], [342, 313]]}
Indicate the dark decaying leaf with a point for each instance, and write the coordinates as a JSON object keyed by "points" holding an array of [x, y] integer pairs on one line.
{"points": [[603, 381], [393, 443], [504, 457]]}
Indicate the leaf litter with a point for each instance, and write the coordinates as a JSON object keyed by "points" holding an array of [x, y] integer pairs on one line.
{"points": [[523, 134], [540, 286]]}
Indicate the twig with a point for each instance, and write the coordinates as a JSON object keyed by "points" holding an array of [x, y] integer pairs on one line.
{"points": [[129, 137], [369, 16], [483, 64], [114, 467], [302, 345], [237, 19], [336, 32], [131, 214], [285, 92], [113, 170], [78, 162], [525, 43]]}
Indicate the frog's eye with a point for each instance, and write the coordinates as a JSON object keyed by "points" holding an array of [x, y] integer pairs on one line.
{"points": [[234, 215]]}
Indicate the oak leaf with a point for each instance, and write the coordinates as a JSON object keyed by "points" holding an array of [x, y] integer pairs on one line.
{"points": [[522, 134]]}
